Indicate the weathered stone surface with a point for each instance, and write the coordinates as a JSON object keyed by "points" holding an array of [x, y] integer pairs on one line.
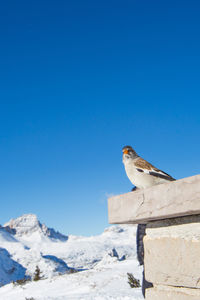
{"points": [[172, 251], [174, 199], [171, 293]]}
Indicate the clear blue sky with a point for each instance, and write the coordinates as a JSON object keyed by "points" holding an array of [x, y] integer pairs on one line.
{"points": [[78, 81]]}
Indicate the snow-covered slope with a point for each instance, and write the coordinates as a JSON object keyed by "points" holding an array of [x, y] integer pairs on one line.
{"points": [[107, 283], [6, 236], [102, 261], [10, 270], [86, 252]]}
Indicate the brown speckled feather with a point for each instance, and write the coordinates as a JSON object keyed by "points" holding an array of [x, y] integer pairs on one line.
{"points": [[145, 165], [141, 163]]}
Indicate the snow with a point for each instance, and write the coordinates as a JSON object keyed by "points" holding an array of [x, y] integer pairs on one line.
{"points": [[102, 262], [9, 269], [6, 236], [106, 283], [29, 227]]}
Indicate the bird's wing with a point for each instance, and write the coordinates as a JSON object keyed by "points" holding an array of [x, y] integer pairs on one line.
{"points": [[144, 166]]}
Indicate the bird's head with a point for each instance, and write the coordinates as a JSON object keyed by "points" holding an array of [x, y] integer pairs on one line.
{"points": [[129, 152]]}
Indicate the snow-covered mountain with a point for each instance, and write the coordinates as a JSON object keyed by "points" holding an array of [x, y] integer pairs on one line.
{"points": [[102, 261], [20, 242], [28, 226]]}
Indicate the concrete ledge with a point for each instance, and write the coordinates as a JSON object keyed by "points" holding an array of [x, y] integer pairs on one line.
{"points": [[172, 252], [171, 293], [175, 199]]}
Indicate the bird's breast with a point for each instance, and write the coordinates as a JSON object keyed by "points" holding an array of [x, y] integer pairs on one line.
{"points": [[139, 179]]}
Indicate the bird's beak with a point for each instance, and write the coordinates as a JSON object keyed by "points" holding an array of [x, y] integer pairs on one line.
{"points": [[125, 151]]}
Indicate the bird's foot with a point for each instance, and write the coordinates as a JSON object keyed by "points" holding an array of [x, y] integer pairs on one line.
{"points": [[134, 189]]}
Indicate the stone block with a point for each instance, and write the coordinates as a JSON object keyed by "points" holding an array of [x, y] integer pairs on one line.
{"points": [[169, 200], [172, 252], [171, 293]]}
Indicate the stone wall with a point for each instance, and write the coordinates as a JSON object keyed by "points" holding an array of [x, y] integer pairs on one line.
{"points": [[172, 252], [172, 242]]}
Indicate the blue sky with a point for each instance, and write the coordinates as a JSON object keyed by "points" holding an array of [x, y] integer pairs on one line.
{"points": [[78, 81]]}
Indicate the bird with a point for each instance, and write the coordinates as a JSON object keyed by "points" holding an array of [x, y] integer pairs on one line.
{"points": [[140, 172]]}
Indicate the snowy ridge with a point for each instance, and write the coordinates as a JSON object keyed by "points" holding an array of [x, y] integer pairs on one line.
{"points": [[102, 262], [29, 224]]}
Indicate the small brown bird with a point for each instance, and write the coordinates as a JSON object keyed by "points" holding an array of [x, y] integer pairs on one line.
{"points": [[140, 172]]}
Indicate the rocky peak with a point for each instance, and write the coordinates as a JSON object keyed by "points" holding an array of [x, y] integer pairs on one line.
{"points": [[28, 224]]}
